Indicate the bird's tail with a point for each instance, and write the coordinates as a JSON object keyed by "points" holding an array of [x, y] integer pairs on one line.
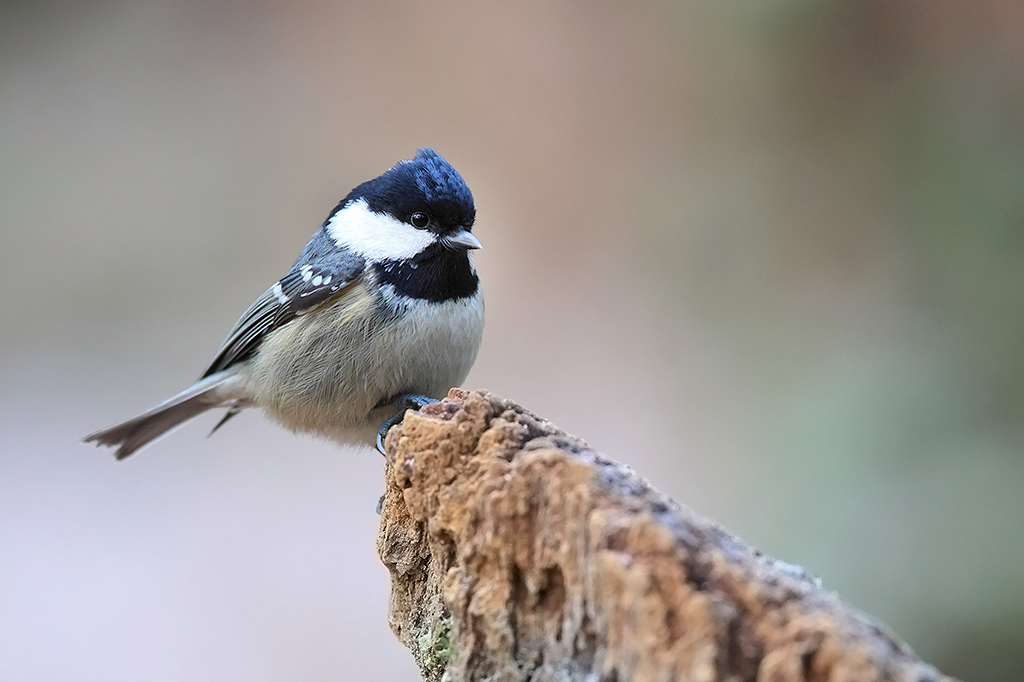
{"points": [[216, 390]]}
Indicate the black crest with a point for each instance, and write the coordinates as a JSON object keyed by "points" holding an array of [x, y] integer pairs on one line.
{"points": [[427, 184]]}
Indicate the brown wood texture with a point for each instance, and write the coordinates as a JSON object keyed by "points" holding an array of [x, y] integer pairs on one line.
{"points": [[518, 553]]}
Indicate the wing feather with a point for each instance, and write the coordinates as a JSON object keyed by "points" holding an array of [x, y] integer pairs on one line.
{"points": [[322, 271]]}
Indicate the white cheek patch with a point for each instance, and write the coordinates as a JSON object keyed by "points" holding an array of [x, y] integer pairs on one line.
{"points": [[375, 236]]}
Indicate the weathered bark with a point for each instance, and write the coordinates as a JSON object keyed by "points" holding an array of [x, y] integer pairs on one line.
{"points": [[517, 553]]}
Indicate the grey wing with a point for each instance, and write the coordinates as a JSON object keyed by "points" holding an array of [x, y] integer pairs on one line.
{"points": [[314, 278]]}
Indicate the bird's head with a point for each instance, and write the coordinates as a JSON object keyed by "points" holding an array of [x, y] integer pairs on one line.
{"points": [[419, 207]]}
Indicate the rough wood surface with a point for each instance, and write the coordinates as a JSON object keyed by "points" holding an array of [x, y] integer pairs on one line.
{"points": [[517, 553]]}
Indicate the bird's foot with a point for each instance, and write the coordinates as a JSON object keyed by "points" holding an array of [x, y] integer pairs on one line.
{"points": [[405, 402]]}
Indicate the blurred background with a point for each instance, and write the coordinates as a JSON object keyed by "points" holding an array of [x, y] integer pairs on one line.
{"points": [[770, 254]]}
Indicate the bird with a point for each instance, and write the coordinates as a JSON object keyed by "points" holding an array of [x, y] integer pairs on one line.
{"points": [[382, 311]]}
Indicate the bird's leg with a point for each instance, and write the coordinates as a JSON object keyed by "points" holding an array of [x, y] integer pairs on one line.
{"points": [[408, 401]]}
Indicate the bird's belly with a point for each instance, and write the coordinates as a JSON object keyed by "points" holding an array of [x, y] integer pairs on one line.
{"points": [[326, 371]]}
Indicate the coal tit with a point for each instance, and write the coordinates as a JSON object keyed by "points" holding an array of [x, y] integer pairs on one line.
{"points": [[382, 307]]}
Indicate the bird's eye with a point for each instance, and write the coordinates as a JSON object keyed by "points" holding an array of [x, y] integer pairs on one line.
{"points": [[419, 220]]}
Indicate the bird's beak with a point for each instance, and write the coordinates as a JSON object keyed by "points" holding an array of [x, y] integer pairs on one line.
{"points": [[463, 239]]}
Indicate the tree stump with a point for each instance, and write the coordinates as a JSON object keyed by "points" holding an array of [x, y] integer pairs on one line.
{"points": [[518, 553]]}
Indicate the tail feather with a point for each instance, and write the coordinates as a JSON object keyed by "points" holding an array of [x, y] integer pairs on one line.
{"points": [[213, 391]]}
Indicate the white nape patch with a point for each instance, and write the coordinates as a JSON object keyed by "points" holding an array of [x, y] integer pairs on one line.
{"points": [[376, 236], [281, 298]]}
